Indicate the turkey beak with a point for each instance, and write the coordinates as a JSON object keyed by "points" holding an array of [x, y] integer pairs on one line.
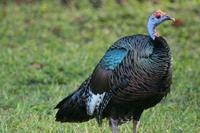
{"points": [[173, 19], [169, 18]]}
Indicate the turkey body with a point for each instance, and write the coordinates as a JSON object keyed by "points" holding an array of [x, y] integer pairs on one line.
{"points": [[134, 74]]}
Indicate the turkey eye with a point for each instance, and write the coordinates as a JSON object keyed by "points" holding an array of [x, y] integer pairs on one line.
{"points": [[158, 16]]}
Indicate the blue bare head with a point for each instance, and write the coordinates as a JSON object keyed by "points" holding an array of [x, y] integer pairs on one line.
{"points": [[154, 20]]}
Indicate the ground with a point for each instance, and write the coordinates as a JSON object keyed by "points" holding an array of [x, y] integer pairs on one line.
{"points": [[47, 50]]}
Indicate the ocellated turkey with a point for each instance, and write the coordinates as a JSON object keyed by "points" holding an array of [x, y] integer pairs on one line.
{"points": [[134, 74]]}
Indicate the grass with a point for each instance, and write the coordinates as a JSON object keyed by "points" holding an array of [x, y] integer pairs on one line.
{"points": [[47, 50]]}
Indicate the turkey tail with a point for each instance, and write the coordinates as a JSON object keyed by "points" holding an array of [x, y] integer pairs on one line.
{"points": [[73, 107]]}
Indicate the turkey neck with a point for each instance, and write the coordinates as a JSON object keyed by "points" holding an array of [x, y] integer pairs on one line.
{"points": [[151, 28]]}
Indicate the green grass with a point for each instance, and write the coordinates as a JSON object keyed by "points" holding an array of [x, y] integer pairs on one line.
{"points": [[47, 50]]}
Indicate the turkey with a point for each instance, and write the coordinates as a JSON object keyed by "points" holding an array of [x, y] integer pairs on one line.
{"points": [[134, 74]]}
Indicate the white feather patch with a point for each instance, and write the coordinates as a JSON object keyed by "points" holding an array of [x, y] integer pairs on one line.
{"points": [[93, 102]]}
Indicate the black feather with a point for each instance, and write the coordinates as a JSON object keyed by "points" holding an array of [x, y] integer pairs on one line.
{"points": [[73, 107]]}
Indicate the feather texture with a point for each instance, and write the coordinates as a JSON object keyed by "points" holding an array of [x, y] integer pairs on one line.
{"points": [[133, 75], [112, 58], [73, 107]]}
